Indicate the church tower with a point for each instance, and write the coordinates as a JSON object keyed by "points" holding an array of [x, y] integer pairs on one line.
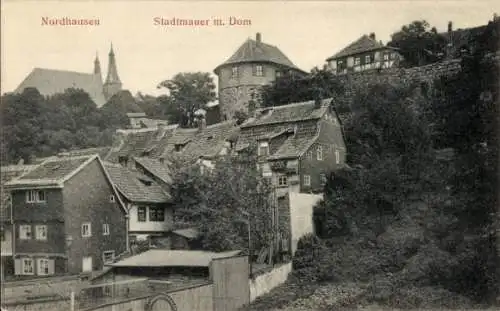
{"points": [[113, 84]]}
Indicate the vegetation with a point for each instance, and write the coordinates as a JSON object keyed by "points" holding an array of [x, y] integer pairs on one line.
{"points": [[223, 202], [419, 44], [411, 222], [187, 92], [36, 126]]}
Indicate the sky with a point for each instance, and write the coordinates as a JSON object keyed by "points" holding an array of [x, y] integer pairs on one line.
{"points": [[146, 54]]}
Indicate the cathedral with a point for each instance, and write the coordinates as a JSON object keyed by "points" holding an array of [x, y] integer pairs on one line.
{"points": [[53, 81]]}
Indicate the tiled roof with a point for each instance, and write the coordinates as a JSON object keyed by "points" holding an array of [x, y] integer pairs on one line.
{"points": [[289, 113], [156, 168], [173, 258], [210, 141], [363, 44], [293, 147], [52, 172], [253, 51], [101, 151], [51, 81], [130, 184]]}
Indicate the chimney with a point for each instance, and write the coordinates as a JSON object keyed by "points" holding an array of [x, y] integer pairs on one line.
{"points": [[450, 26], [258, 37], [372, 36]]}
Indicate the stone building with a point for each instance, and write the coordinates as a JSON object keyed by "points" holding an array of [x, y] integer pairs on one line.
{"points": [[51, 81], [253, 65], [366, 53]]}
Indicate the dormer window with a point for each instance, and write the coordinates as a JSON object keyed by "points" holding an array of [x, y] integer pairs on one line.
{"points": [[263, 149], [235, 72]]}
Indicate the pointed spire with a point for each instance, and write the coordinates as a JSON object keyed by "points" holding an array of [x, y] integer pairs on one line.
{"points": [[97, 64], [113, 83]]}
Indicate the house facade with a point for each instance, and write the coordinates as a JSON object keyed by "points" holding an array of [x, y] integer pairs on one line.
{"points": [[67, 216], [253, 65], [363, 54], [298, 144], [147, 202]]}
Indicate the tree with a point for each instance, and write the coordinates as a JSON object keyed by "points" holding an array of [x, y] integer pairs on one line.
{"points": [[418, 43], [224, 202], [187, 92], [291, 89]]}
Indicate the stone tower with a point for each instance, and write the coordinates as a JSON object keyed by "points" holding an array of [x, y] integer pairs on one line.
{"points": [[113, 84]]}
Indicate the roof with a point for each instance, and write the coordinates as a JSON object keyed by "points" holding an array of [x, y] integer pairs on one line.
{"points": [[135, 186], [52, 172], [51, 81], [257, 51], [190, 233], [101, 151], [363, 44], [156, 168], [210, 141], [289, 113], [173, 258], [293, 147]]}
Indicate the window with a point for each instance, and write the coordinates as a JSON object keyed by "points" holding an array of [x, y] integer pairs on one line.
{"points": [[108, 256], [235, 72], [141, 213], [322, 179], [282, 180], [35, 196], [386, 56], [307, 180], [337, 156], [86, 230], [44, 266], [2, 234], [25, 232], [259, 71], [278, 74], [41, 232], [105, 229], [309, 155], [263, 149], [111, 198], [156, 214], [368, 59], [357, 61], [319, 153], [27, 266]]}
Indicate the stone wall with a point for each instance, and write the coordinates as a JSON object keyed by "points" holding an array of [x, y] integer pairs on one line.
{"points": [[427, 73], [264, 283]]}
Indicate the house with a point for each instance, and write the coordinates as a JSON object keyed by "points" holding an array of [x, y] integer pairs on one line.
{"points": [[68, 217], [185, 239], [147, 203], [253, 65], [366, 53], [140, 120], [6, 224], [51, 81], [297, 144]]}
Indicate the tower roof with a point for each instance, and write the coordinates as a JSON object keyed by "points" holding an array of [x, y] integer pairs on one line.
{"points": [[258, 51], [112, 77]]}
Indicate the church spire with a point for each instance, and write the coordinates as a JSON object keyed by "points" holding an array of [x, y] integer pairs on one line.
{"points": [[113, 83], [97, 65]]}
